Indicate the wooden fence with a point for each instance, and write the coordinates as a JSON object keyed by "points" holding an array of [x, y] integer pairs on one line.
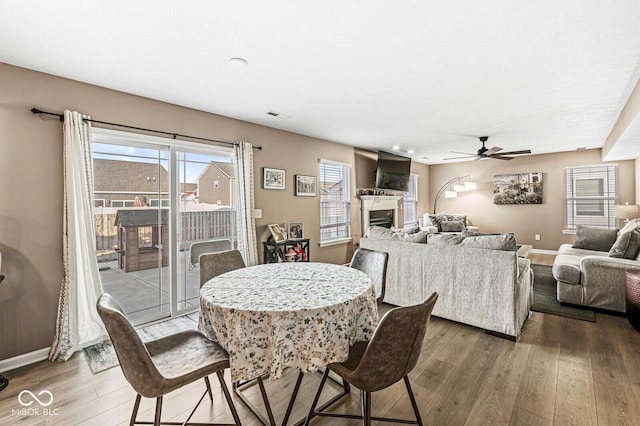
{"points": [[196, 226]]}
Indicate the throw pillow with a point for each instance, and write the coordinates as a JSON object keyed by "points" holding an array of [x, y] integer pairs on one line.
{"points": [[444, 239], [594, 238], [418, 237], [627, 245], [452, 226], [504, 242], [435, 221], [406, 230]]}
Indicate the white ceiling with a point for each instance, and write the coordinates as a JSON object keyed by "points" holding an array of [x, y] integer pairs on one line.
{"points": [[425, 75]]}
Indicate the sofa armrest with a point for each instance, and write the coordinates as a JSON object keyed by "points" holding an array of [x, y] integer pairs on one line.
{"points": [[590, 262]]}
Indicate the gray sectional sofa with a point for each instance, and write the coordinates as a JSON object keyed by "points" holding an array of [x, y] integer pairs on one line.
{"points": [[591, 272], [480, 279]]}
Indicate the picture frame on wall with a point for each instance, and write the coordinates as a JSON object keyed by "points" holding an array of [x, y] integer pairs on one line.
{"points": [[277, 232], [517, 188], [306, 186], [295, 230], [273, 178]]}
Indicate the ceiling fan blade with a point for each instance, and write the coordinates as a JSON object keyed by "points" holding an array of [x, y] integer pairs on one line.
{"points": [[501, 157], [465, 153], [491, 151], [524, 151], [457, 158]]}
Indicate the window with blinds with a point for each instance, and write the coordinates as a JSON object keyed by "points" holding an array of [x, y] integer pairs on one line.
{"points": [[591, 194], [335, 208], [410, 204]]}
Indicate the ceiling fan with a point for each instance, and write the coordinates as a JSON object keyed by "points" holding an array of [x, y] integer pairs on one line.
{"points": [[485, 152]]}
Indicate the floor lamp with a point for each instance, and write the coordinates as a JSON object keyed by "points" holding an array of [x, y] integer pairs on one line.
{"points": [[453, 192]]}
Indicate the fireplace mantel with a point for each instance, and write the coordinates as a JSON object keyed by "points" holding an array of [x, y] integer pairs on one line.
{"points": [[378, 202]]}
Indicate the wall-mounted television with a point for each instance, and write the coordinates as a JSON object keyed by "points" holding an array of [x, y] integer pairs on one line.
{"points": [[392, 172]]}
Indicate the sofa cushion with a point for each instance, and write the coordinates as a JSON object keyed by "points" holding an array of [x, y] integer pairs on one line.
{"points": [[380, 233], [452, 226], [627, 245], [437, 219], [566, 268], [504, 242], [594, 238], [444, 239], [407, 229]]}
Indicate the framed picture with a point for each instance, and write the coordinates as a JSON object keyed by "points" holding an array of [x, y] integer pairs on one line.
{"points": [[306, 186], [520, 188], [277, 232], [296, 230], [273, 178]]}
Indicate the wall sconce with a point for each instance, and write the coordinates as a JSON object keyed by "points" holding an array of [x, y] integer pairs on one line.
{"points": [[455, 188], [627, 212]]}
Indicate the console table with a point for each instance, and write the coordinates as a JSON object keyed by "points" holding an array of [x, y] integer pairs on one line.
{"points": [[278, 251]]}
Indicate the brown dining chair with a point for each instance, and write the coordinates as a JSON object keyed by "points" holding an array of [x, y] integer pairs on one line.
{"points": [[389, 356], [374, 264], [158, 367], [214, 264]]}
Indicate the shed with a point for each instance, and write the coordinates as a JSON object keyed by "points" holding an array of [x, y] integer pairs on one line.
{"points": [[143, 233]]}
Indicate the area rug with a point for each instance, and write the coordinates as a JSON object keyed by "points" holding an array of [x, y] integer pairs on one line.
{"points": [[545, 299], [102, 356]]}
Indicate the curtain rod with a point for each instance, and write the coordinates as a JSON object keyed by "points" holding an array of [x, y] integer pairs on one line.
{"points": [[173, 135]]}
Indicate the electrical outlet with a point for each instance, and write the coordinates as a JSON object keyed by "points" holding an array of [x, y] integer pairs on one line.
{"points": [[257, 213], [537, 237]]}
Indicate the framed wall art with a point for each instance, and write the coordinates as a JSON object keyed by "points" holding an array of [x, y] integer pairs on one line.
{"points": [[306, 186], [521, 188], [273, 178]]}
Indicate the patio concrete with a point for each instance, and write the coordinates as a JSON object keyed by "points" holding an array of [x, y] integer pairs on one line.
{"points": [[144, 295]]}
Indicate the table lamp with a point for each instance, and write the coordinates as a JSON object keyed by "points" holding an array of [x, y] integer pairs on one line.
{"points": [[627, 212]]}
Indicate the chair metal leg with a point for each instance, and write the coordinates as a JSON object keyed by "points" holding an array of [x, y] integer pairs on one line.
{"points": [[365, 398], [208, 383], [227, 396], [134, 414], [413, 400], [156, 421]]}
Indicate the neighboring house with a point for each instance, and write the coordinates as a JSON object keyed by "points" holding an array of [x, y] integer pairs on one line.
{"points": [[217, 184], [117, 183]]}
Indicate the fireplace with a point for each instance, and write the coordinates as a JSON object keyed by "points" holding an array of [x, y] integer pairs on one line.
{"points": [[379, 210]]}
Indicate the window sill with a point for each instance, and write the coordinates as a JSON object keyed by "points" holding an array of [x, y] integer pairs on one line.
{"points": [[335, 242]]}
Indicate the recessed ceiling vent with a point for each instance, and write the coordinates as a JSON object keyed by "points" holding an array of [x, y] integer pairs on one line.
{"points": [[277, 114]]}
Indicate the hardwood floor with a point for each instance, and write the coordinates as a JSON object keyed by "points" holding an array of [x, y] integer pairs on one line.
{"points": [[561, 372]]}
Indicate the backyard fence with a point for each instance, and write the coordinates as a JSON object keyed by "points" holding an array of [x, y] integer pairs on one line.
{"points": [[196, 226]]}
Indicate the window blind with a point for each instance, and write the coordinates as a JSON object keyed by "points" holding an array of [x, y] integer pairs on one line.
{"points": [[335, 208], [591, 194], [410, 203]]}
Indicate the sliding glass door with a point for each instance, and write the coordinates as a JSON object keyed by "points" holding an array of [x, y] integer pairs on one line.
{"points": [[155, 198]]}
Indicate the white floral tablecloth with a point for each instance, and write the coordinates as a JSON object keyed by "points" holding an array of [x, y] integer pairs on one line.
{"points": [[302, 315]]}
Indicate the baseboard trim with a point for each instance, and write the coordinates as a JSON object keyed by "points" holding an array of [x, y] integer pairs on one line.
{"points": [[540, 251], [24, 359]]}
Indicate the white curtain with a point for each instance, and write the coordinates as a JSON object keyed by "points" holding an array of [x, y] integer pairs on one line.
{"points": [[246, 221], [78, 323]]}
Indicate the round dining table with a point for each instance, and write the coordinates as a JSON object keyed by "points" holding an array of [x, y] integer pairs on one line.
{"points": [[303, 315]]}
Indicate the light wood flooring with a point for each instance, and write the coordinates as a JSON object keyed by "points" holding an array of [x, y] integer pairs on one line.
{"points": [[561, 372]]}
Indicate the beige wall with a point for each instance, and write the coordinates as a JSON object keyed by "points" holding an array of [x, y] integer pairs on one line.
{"points": [[525, 221], [31, 188]]}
